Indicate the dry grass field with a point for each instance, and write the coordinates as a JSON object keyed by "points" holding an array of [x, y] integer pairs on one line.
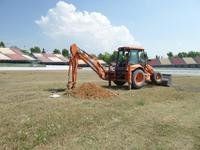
{"points": [[150, 118]]}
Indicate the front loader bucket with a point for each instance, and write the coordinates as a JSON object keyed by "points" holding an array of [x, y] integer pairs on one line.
{"points": [[166, 80]]}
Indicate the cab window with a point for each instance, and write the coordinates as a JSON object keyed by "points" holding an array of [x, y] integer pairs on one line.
{"points": [[123, 56], [133, 57]]}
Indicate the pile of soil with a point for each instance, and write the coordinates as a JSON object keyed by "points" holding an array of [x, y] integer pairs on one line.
{"points": [[91, 91]]}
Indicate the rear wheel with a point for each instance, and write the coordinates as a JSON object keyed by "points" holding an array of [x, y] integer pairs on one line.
{"points": [[156, 78], [119, 83], [138, 79]]}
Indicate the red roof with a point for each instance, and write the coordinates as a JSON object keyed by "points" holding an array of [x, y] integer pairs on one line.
{"points": [[50, 58], [17, 50], [15, 54], [177, 61], [48, 55], [197, 59], [154, 62], [16, 57]]}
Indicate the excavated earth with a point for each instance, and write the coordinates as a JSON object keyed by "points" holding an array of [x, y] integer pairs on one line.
{"points": [[91, 91]]}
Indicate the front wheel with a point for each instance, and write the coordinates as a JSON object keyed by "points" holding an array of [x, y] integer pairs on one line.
{"points": [[156, 78], [138, 79]]}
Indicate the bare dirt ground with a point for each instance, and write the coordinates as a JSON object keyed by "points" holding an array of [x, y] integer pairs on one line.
{"points": [[150, 118], [89, 90]]}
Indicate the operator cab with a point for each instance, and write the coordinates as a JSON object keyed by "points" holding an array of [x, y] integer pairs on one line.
{"points": [[128, 56], [131, 56]]}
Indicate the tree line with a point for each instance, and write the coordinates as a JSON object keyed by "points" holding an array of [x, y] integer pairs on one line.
{"points": [[110, 57], [184, 54], [107, 57], [37, 49]]}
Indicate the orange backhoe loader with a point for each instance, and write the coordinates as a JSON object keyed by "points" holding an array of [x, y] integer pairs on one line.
{"points": [[130, 67]]}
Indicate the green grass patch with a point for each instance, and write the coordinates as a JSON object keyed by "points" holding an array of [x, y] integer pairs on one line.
{"points": [[154, 117]]}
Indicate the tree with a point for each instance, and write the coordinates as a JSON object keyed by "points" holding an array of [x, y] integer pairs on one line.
{"points": [[2, 44], [43, 50], [65, 52], [56, 51], [193, 54], [170, 55], [105, 56], [35, 49], [113, 57], [189, 54], [157, 57], [182, 54]]}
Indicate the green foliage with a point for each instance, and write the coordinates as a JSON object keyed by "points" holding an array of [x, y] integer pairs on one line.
{"points": [[113, 56], [56, 51], [189, 54], [2, 44], [35, 49], [65, 52], [193, 54], [182, 54], [107, 57], [170, 54]]}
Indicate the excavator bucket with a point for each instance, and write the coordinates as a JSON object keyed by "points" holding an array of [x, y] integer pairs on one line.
{"points": [[166, 80], [70, 85]]}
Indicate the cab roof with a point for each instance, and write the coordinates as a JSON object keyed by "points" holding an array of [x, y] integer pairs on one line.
{"points": [[131, 48]]}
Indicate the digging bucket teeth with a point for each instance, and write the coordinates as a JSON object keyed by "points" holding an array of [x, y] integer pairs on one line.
{"points": [[71, 85], [166, 80]]}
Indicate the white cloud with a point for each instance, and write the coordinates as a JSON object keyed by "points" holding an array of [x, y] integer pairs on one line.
{"points": [[90, 30]]}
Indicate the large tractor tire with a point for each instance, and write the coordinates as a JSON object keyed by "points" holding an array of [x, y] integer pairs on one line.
{"points": [[138, 79], [156, 78], [119, 83]]}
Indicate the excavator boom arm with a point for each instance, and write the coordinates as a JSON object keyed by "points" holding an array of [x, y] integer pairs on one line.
{"points": [[79, 54]]}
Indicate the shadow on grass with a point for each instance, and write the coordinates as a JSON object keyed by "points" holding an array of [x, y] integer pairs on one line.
{"points": [[125, 87], [56, 90], [150, 85], [115, 87]]}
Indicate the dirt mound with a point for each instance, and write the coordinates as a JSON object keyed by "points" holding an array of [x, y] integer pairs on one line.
{"points": [[91, 91]]}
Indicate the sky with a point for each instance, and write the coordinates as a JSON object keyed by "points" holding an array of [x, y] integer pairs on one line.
{"points": [[98, 26]]}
